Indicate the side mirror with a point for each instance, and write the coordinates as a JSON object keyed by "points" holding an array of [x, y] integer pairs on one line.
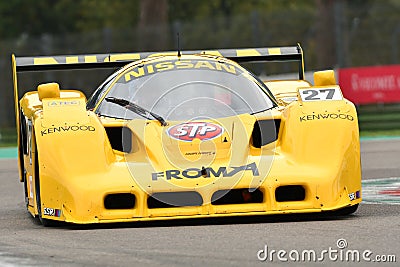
{"points": [[324, 78], [48, 90]]}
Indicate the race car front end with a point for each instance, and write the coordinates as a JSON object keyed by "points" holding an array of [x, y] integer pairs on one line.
{"points": [[186, 136], [272, 163]]}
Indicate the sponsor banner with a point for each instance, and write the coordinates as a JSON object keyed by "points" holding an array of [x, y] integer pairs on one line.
{"points": [[364, 85]]}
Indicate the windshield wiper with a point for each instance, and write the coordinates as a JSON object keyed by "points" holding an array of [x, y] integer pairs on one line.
{"points": [[137, 109]]}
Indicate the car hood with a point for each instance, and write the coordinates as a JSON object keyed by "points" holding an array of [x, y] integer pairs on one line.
{"points": [[183, 151]]}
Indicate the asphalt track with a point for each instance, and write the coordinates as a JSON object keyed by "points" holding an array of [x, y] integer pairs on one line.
{"points": [[373, 230]]}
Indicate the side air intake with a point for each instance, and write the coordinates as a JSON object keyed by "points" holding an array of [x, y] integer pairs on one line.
{"points": [[237, 196], [290, 193], [119, 201], [174, 199], [120, 138], [265, 132]]}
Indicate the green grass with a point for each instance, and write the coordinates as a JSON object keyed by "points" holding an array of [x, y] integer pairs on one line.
{"points": [[8, 137], [379, 119], [382, 133]]}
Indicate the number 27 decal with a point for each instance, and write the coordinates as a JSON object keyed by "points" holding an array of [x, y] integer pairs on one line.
{"points": [[320, 94]]}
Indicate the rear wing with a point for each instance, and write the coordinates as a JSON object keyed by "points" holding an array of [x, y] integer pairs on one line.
{"points": [[70, 62], [114, 60]]}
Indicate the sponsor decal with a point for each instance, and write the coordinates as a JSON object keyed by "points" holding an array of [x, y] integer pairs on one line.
{"points": [[289, 99], [355, 195], [190, 130], [193, 173], [324, 116], [196, 153], [30, 186], [163, 66], [63, 103], [75, 59], [52, 212], [320, 94], [67, 128]]}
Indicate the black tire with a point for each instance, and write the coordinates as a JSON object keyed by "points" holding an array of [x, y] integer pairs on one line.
{"points": [[21, 148], [22, 143], [26, 190]]}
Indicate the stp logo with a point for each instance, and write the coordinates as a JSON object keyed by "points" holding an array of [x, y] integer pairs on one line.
{"points": [[191, 130]]}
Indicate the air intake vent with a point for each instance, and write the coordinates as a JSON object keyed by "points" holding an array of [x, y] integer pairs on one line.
{"points": [[290, 193], [119, 201], [120, 138], [237, 196], [265, 132], [174, 199]]}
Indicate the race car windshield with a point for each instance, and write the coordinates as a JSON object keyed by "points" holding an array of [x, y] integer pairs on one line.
{"points": [[187, 90]]}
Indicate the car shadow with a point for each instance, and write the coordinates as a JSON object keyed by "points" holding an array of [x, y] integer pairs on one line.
{"points": [[281, 218]]}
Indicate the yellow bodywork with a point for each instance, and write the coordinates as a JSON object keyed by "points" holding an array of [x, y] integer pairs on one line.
{"points": [[70, 158]]}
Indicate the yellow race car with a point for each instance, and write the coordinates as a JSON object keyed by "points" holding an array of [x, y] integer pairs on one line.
{"points": [[192, 134]]}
